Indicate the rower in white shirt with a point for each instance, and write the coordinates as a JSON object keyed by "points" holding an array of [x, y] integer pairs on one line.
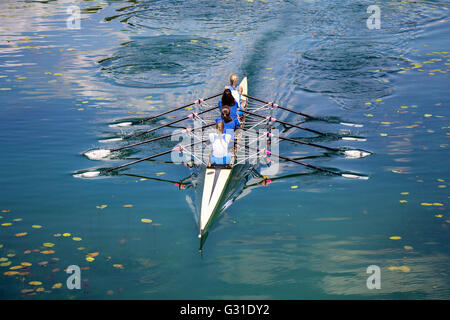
{"points": [[220, 141]]}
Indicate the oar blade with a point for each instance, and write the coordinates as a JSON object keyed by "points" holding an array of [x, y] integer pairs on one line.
{"points": [[97, 154], [355, 154], [88, 174]]}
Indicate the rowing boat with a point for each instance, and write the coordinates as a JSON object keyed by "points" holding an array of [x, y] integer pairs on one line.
{"points": [[223, 184], [217, 179]]}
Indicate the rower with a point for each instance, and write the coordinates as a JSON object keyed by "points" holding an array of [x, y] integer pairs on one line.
{"points": [[228, 100], [229, 122], [236, 91], [220, 154]]}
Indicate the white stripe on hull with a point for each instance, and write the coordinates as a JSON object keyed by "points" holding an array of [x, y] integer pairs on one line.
{"points": [[215, 183]]}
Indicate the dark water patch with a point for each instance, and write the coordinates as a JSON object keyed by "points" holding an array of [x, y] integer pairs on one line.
{"points": [[163, 61]]}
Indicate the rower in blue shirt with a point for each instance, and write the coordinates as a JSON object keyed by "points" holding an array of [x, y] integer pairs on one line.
{"points": [[230, 123], [228, 100]]}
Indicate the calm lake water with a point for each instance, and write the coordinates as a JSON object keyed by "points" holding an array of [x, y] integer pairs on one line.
{"points": [[307, 235]]}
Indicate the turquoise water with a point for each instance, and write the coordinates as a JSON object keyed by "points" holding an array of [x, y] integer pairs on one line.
{"points": [[307, 235]]}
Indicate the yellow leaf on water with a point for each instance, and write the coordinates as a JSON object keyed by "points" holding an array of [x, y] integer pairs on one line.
{"points": [[48, 252], [36, 226], [48, 244], [404, 193], [22, 234], [57, 285], [383, 134], [437, 204], [6, 224], [92, 254], [148, 97], [10, 273], [294, 187], [16, 267], [66, 234], [427, 115], [403, 201], [426, 204], [25, 291], [103, 206], [3, 259], [438, 215], [395, 238], [407, 247], [119, 266], [26, 264], [57, 74], [146, 220], [76, 239], [401, 268], [127, 205], [57, 235], [160, 173], [89, 259], [35, 283]]}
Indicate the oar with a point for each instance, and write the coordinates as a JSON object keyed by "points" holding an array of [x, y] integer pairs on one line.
{"points": [[284, 122], [345, 175], [92, 174], [274, 105], [98, 154], [171, 123], [198, 101], [353, 153], [281, 107]]}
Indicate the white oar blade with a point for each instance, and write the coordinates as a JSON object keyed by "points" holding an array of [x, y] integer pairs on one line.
{"points": [[89, 174], [110, 140], [354, 176], [97, 154], [354, 154], [121, 124], [348, 124], [353, 139]]}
